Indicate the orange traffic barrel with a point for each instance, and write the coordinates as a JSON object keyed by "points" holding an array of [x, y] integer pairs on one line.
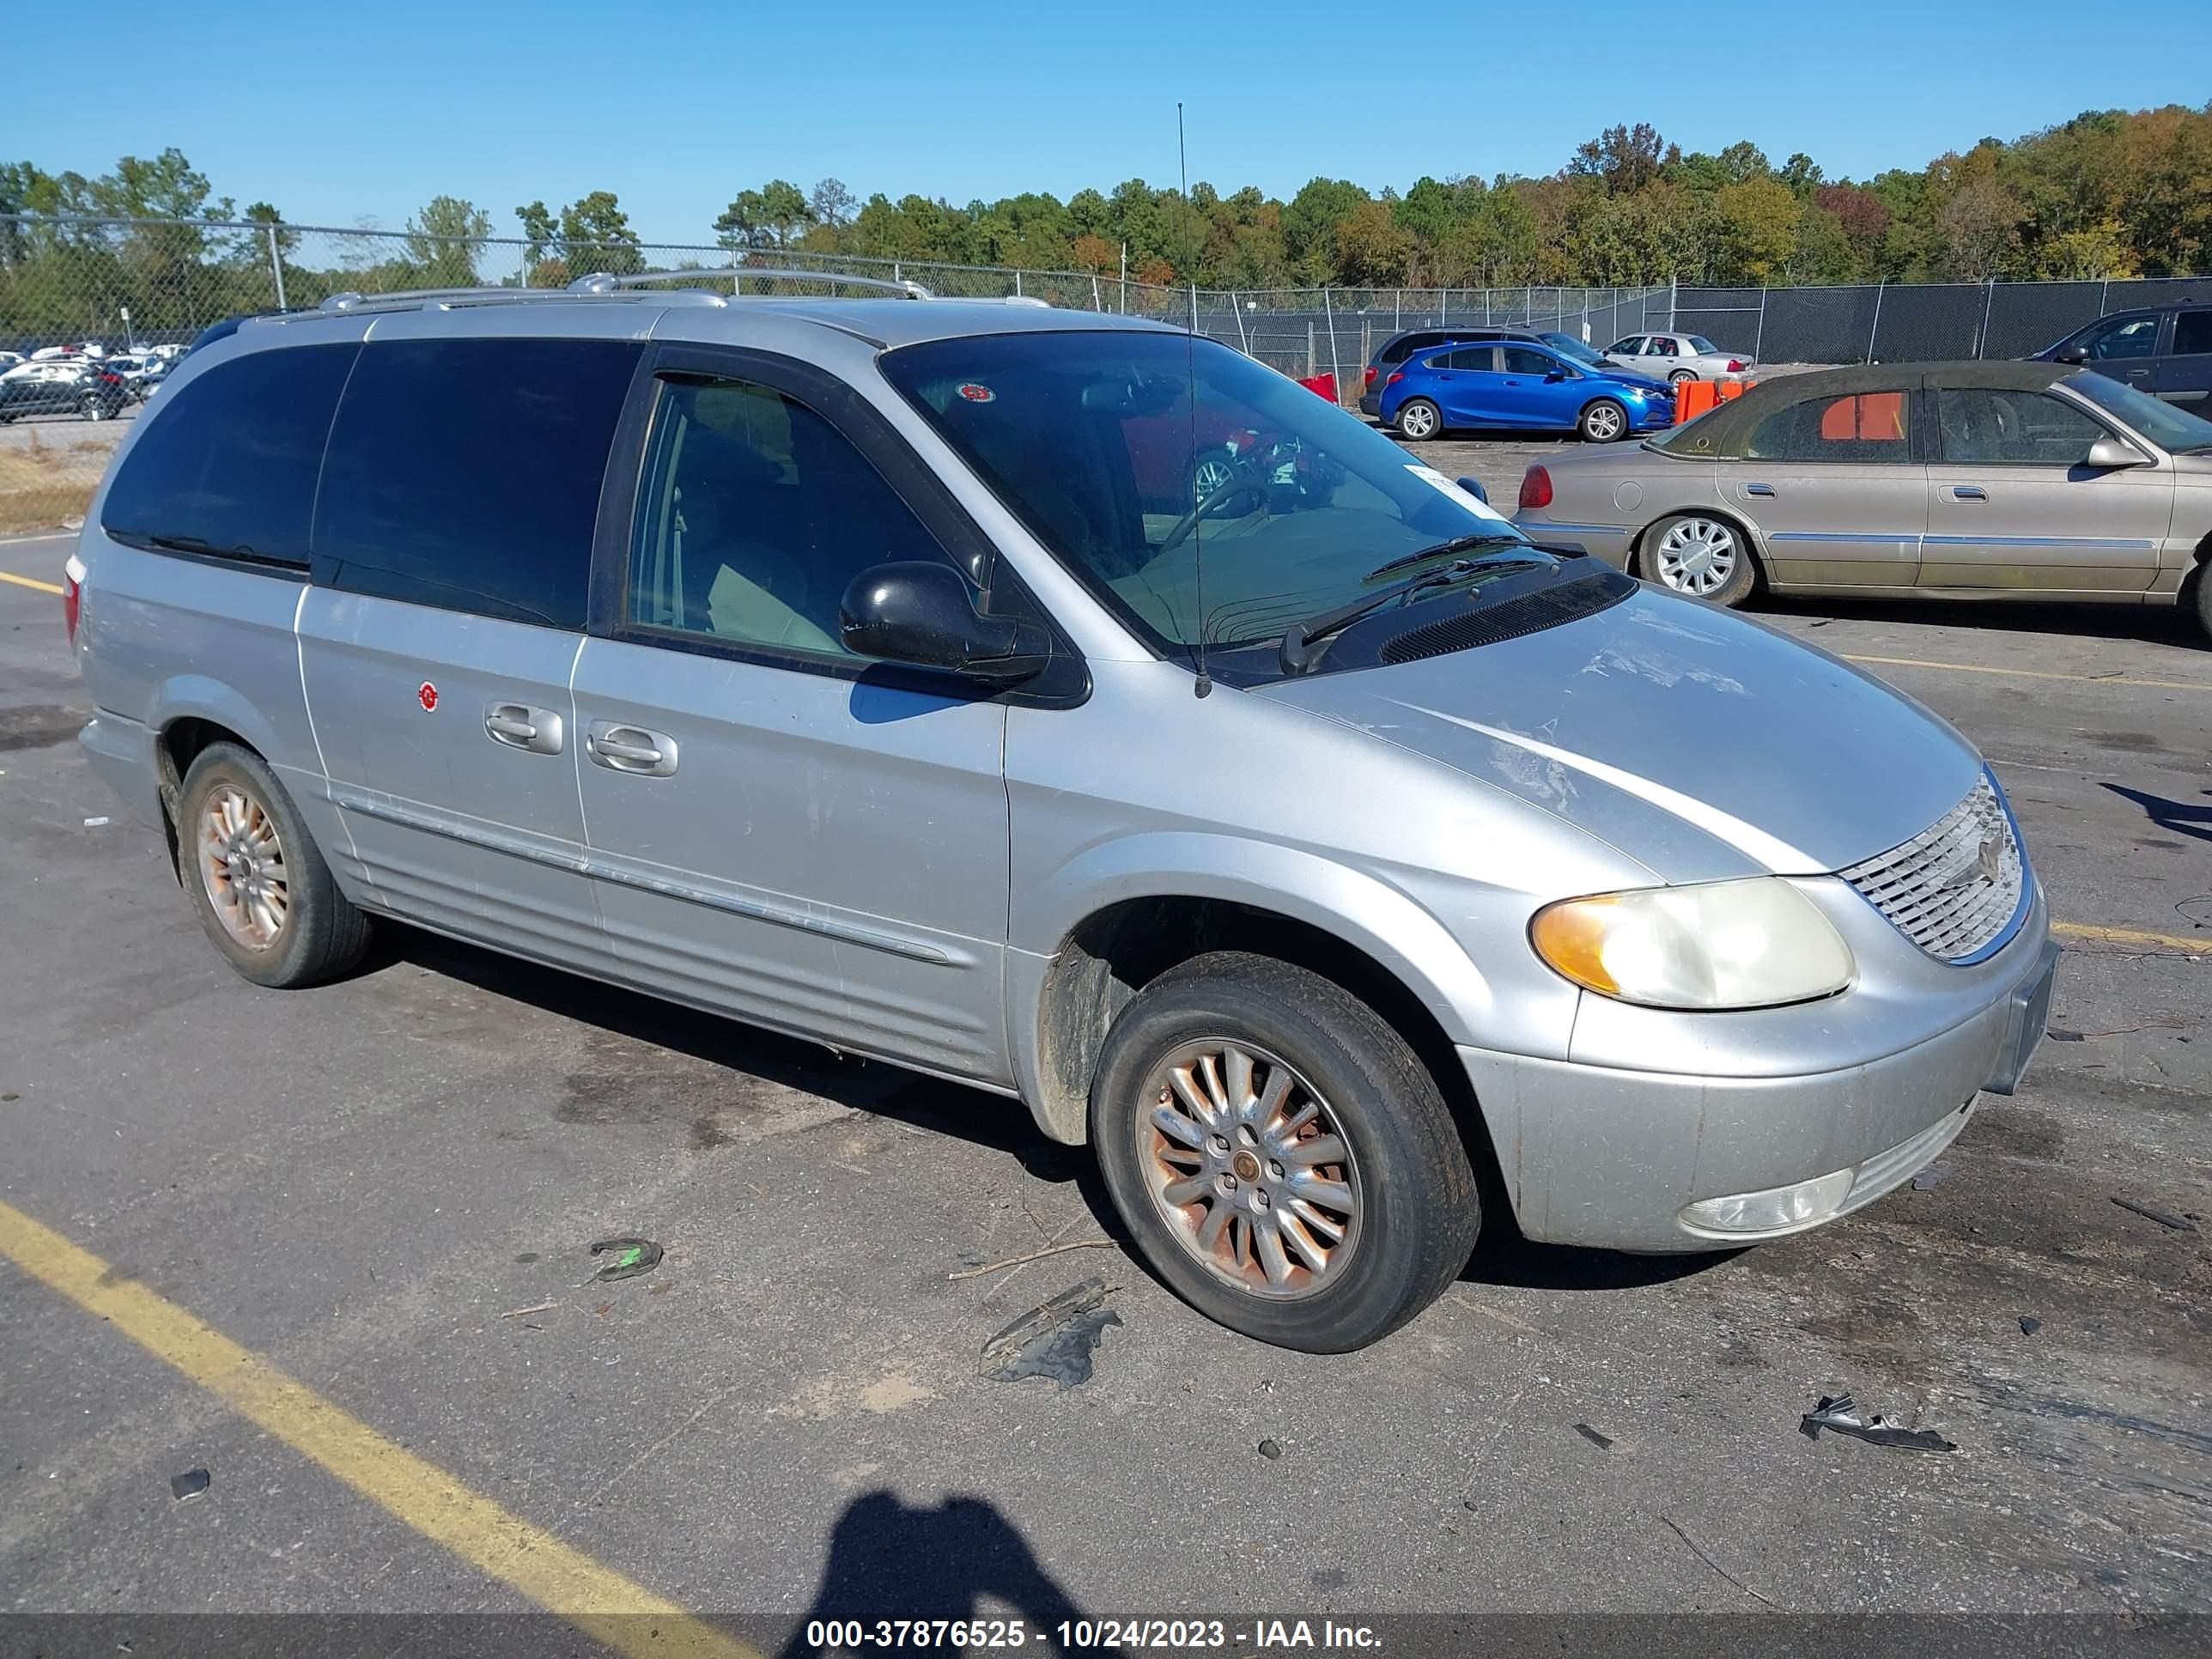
{"points": [[1692, 398]]}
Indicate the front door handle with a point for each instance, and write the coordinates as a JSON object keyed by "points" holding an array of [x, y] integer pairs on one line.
{"points": [[519, 726], [1759, 490], [1969, 493], [630, 749]]}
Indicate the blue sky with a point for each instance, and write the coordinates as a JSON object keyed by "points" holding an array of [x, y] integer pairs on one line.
{"points": [[339, 114]]}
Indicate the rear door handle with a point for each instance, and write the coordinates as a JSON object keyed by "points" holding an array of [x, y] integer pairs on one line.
{"points": [[519, 726], [1969, 493], [630, 749], [1759, 490]]}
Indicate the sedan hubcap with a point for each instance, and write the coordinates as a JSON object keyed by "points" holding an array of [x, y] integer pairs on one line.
{"points": [[1697, 557], [1249, 1168], [242, 860]]}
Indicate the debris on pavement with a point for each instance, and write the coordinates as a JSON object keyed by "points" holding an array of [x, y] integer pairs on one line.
{"points": [[189, 1485], [1840, 1412], [1055, 1338], [2029, 1325], [1929, 1176], [538, 1307], [632, 1256], [1034, 1255], [2164, 1217], [1270, 1448], [94, 823], [2060, 1034], [1709, 1561], [1603, 1442]]}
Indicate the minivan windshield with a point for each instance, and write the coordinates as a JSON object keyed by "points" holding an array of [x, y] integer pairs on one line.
{"points": [[1147, 460], [2170, 428], [1567, 346]]}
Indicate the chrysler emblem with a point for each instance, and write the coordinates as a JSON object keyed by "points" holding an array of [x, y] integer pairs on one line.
{"points": [[1988, 865]]}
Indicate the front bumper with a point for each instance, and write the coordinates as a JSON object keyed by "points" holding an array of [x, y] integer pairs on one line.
{"points": [[1594, 1155]]}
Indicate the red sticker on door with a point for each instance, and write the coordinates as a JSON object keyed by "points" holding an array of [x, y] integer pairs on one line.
{"points": [[978, 394], [427, 696]]}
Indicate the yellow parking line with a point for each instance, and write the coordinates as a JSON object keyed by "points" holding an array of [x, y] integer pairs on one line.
{"points": [[2034, 673], [2195, 947], [596, 1599], [29, 581]]}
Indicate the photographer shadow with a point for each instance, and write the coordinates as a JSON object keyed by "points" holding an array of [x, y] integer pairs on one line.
{"points": [[925, 1564]]}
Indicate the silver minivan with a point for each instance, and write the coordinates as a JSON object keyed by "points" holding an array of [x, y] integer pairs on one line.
{"points": [[1078, 710]]}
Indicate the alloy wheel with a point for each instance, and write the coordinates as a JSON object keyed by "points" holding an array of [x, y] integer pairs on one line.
{"points": [[1249, 1168], [1603, 423], [1696, 556], [1417, 420], [242, 860]]}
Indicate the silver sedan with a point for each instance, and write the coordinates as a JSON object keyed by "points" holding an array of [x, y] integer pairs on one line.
{"points": [[1970, 480], [1677, 357]]}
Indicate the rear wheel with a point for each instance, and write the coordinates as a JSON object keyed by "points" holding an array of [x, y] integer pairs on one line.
{"points": [[1603, 422], [2197, 596], [1700, 556], [94, 409], [1284, 1160], [263, 896], [1682, 374], [1419, 419]]}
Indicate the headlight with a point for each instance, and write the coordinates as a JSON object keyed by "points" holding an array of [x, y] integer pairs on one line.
{"points": [[1754, 943]]}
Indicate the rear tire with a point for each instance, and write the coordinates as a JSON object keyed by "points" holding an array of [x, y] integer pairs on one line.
{"points": [[263, 893], [1257, 1096], [1700, 556], [1681, 375], [1419, 420], [1603, 422], [2196, 595]]}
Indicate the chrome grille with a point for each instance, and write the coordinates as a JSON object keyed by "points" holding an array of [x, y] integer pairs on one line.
{"points": [[1954, 889]]}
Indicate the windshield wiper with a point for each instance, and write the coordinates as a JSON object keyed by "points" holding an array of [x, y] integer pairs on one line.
{"points": [[200, 544], [1297, 655], [1457, 544]]}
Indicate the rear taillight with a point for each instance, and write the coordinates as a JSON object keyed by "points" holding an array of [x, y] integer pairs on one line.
{"points": [[1736, 368], [1368, 380], [113, 379], [72, 594], [1536, 488], [1397, 376]]}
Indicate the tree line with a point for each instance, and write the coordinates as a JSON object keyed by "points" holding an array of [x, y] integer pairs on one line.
{"points": [[2108, 194]]}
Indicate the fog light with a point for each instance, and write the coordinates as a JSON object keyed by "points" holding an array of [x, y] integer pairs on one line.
{"points": [[1745, 1215]]}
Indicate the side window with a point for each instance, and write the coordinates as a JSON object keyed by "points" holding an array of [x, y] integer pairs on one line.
{"points": [[2137, 336], [2192, 333], [1867, 426], [1627, 348], [1473, 357], [466, 474], [1520, 359], [1663, 346], [1987, 427], [754, 516], [228, 461]]}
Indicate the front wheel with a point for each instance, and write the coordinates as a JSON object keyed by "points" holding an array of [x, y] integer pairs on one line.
{"points": [[1604, 422], [94, 409], [263, 896], [1283, 1158], [1704, 558], [1419, 420]]}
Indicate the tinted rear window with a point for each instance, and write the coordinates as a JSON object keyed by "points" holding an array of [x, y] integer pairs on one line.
{"points": [[228, 461], [466, 474]]}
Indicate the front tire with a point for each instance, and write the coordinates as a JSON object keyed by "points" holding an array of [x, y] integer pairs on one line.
{"points": [[1603, 422], [1700, 557], [1419, 420], [1282, 1157], [94, 409], [260, 886]]}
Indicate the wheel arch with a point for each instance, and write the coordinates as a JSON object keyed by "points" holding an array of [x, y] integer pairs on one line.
{"points": [[1639, 544], [188, 726]]}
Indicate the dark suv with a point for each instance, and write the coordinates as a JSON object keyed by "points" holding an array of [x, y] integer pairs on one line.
{"points": [[1404, 343], [2166, 350], [98, 394]]}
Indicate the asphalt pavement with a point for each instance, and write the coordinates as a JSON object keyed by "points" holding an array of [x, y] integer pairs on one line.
{"points": [[386, 1190]]}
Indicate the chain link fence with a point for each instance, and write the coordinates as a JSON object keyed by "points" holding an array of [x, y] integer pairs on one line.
{"points": [[78, 292]]}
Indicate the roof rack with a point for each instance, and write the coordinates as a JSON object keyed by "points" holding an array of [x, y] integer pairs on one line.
{"points": [[414, 298], [602, 281]]}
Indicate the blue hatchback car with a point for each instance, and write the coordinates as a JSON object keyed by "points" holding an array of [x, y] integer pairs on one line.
{"points": [[1522, 386]]}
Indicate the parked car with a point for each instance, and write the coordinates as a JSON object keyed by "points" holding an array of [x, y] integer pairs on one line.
{"points": [[1968, 480], [2166, 350], [1677, 357], [10, 360], [1402, 344], [818, 663], [141, 373], [55, 388], [1521, 386]]}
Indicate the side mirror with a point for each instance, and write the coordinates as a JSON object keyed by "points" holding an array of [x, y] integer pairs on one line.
{"points": [[2108, 453], [2072, 354], [1555, 377], [1474, 486], [918, 611]]}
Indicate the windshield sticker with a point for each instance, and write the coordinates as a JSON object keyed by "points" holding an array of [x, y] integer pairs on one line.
{"points": [[978, 394], [1430, 476]]}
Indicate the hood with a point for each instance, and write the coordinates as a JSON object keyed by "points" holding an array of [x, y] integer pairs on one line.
{"points": [[1701, 744], [1630, 377]]}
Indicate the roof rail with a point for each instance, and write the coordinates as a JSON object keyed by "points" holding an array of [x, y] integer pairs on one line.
{"points": [[414, 297], [602, 281]]}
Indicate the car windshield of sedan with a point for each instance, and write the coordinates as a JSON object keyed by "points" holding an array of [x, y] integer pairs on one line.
{"points": [[1146, 462], [2172, 429]]}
